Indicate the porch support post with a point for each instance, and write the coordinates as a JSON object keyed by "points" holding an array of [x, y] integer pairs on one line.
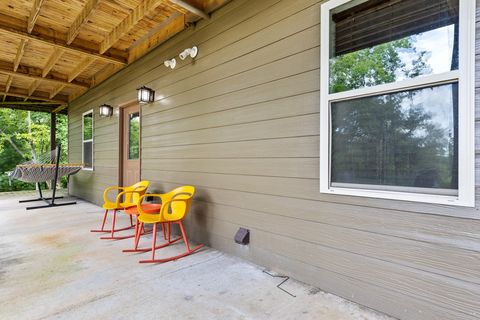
{"points": [[53, 136], [53, 130]]}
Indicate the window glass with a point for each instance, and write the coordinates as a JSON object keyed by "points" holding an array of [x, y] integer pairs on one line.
{"points": [[134, 135], [87, 134], [406, 139], [87, 126], [87, 154], [379, 42]]}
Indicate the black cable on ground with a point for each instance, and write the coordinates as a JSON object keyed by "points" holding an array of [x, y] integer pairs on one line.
{"points": [[279, 285]]}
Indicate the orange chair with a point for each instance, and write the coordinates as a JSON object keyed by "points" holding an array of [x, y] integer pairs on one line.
{"points": [[175, 206], [130, 196]]}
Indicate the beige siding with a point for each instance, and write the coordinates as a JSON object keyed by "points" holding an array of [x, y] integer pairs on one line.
{"points": [[241, 123]]}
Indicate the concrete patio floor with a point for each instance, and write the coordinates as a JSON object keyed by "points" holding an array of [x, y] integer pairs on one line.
{"points": [[52, 267]]}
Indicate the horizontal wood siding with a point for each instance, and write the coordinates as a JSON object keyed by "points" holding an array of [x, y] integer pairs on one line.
{"points": [[241, 123]]}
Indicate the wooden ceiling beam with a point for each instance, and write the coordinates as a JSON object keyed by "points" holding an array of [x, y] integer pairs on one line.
{"points": [[81, 19], [60, 108], [56, 91], [36, 106], [19, 55], [87, 61], [191, 9], [14, 92], [159, 34], [128, 23], [52, 60], [103, 74], [22, 35], [76, 94], [52, 35], [44, 103], [9, 83], [33, 87], [32, 19], [5, 68]]}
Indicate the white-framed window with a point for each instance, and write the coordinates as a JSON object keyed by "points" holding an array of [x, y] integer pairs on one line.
{"points": [[87, 140], [397, 100]]}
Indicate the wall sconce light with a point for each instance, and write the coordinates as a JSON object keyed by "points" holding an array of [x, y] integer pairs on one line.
{"points": [[106, 110], [145, 95], [170, 63], [192, 52]]}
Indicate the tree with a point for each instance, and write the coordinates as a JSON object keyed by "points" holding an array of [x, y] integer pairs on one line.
{"points": [[23, 136]]}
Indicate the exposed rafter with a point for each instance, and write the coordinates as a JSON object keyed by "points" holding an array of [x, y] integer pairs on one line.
{"points": [[19, 55], [5, 69], [59, 108], [81, 19], [21, 94], [32, 19], [80, 67], [76, 94], [52, 60], [22, 35], [160, 33], [56, 47], [33, 87], [128, 23], [45, 103], [57, 91], [103, 74], [9, 83]]}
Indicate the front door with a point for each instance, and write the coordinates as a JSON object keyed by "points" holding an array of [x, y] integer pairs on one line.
{"points": [[130, 144]]}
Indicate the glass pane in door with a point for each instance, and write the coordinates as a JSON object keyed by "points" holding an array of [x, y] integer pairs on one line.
{"points": [[134, 136]]}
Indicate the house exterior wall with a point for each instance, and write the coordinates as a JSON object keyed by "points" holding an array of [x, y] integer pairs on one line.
{"points": [[241, 123]]}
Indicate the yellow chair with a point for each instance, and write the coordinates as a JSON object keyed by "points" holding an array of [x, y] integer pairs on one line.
{"points": [[128, 197], [175, 206]]}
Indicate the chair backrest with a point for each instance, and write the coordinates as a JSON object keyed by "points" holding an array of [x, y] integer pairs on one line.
{"points": [[179, 203], [140, 188]]}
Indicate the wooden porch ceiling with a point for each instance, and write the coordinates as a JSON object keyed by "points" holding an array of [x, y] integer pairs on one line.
{"points": [[55, 50]]}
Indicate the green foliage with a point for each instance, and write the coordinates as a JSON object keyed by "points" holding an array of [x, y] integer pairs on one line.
{"points": [[24, 136], [14, 185], [62, 136], [8, 157]]}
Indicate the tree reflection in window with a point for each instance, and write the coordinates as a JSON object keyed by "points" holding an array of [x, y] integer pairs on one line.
{"points": [[400, 139]]}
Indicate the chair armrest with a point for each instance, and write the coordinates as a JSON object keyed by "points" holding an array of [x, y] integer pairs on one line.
{"points": [[121, 194], [107, 190], [172, 217]]}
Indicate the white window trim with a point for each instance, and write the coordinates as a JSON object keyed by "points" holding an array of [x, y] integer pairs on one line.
{"points": [[89, 140], [466, 111]]}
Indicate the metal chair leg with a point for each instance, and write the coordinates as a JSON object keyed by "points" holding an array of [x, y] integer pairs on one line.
{"points": [[139, 230], [154, 242], [103, 223], [112, 232], [184, 254]]}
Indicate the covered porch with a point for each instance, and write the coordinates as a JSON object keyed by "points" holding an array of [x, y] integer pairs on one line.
{"points": [[347, 144], [52, 267]]}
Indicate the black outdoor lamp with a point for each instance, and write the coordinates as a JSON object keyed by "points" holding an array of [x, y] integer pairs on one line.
{"points": [[145, 95], [106, 110]]}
